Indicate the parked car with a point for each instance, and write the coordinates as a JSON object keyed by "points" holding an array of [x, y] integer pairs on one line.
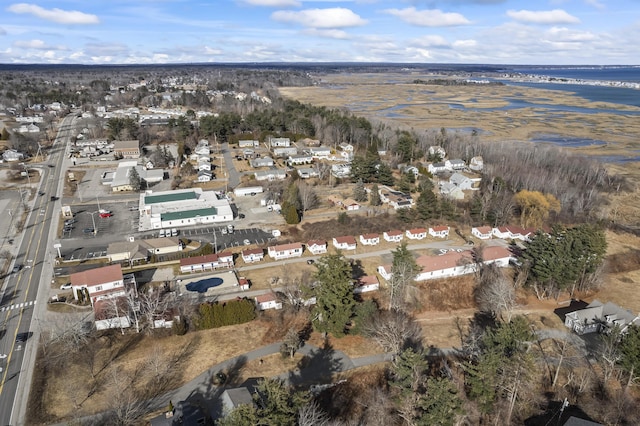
{"points": [[16, 268], [105, 215], [66, 286], [241, 216], [247, 242], [310, 261], [88, 230], [223, 231]]}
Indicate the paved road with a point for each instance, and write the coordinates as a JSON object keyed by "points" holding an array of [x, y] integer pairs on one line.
{"points": [[21, 293]]}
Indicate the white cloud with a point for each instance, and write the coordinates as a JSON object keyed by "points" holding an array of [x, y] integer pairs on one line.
{"points": [[464, 43], [328, 33], [337, 17], [428, 17], [36, 44], [555, 16], [2, 31], [431, 41], [273, 3], [55, 15], [211, 51]]}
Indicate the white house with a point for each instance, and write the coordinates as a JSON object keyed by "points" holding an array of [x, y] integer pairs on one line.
{"points": [[501, 232], [100, 283], [206, 262], [268, 301], [262, 162], [461, 181], [482, 232], [275, 142], [600, 318], [347, 242], [439, 231], [283, 152], [248, 143], [394, 236], [163, 245], [296, 160], [252, 255], [350, 204], [319, 152], [270, 175], [12, 155], [433, 150], [476, 163], [317, 246], [204, 164], [416, 233], [450, 190], [341, 170], [435, 168], [370, 239], [204, 176], [285, 251], [346, 147], [455, 164], [307, 172], [366, 284], [395, 199], [202, 150]]}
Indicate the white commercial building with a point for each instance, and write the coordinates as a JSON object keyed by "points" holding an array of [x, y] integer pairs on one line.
{"points": [[183, 207]]}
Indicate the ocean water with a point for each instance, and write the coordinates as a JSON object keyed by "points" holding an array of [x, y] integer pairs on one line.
{"points": [[615, 73]]}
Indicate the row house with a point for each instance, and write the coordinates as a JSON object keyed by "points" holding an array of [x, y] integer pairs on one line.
{"points": [[370, 239], [347, 242], [317, 247], [279, 142], [248, 143], [297, 160], [206, 262], [350, 204], [252, 255], [416, 233], [366, 284], [285, 251], [394, 236], [307, 172], [262, 162], [512, 232], [270, 175], [284, 152], [319, 152], [439, 231], [482, 232]]}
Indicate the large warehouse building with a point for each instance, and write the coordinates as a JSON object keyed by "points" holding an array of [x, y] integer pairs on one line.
{"points": [[182, 207]]}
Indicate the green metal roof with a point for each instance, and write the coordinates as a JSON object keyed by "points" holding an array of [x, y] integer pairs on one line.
{"points": [[166, 198], [188, 214]]}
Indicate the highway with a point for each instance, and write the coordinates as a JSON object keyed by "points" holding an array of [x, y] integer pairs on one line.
{"points": [[25, 292]]}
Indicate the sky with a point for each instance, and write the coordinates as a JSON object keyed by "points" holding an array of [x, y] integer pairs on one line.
{"points": [[539, 32]]}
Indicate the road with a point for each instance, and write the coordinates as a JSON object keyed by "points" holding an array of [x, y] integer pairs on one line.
{"points": [[21, 295]]}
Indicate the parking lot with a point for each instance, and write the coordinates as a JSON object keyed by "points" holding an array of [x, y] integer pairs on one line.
{"points": [[122, 223]]}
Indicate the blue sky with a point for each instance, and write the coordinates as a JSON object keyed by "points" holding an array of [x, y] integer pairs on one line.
{"points": [[559, 32]]}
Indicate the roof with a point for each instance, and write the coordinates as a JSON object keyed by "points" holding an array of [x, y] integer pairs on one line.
{"points": [[316, 243], [596, 310], [495, 252], [161, 242], [187, 214], [347, 239], [440, 228], [132, 144], [445, 261], [575, 421], [96, 276], [207, 258], [368, 280], [172, 196], [393, 233], [284, 247], [269, 297], [415, 231], [254, 251], [370, 236], [484, 229], [239, 396]]}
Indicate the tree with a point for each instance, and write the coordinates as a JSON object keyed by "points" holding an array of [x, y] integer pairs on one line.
{"points": [[535, 207], [291, 343], [374, 198], [441, 405], [629, 349], [134, 179], [426, 204], [494, 293], [403, 273], [393, 330], [335, 302], [308, 197], [359, 192], [277, 404]]}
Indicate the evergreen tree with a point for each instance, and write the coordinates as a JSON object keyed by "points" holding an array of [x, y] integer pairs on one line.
{"points": [[406, 182], [374, 199], [403, 272], [385, 175], [446, 209], [134, 179], [629, 349], [426, 205], [441, 404], [359, 192], [476, 208], [290, 213], [335, 302], [278, 405]]}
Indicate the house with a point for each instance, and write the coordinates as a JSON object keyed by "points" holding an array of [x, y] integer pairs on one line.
{"points": [[99, 283], [279, 142], [370, 239], [262, 162], [307, 172], [248, 143], [203, 150], [350, 204], [285, 251], [435, 168], [244, 283], [233, 398], [416, 233], [395, 199], [296, 160], [111, 313], [184, 413], [346, 147], [394, 236], [284, 152], [455, 164], [270, 175], [482, 232], [317, 246], [12, 155], [319, 152], [439, 231], [501, 232], [127, 149], [341, 170], [204, 164], [366, 284], [252, 255], [476, 163], [126, 251], [347, 242], [207, 262], [461, 181], [451, 191], [268, 301], [204, 176], [163, 245], [600, 317]]}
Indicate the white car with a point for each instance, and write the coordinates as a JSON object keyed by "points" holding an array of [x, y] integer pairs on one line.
{"points": [[66, 286]]}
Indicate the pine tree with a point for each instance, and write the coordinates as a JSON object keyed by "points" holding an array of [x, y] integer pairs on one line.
{"points": [[385, 175], [134, 179], [426, 205], [403, 273], [359, 192], [374, 199], [335, 302]]}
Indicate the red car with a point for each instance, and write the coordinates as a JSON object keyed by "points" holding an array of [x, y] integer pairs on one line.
{"points": [[105, 215]]}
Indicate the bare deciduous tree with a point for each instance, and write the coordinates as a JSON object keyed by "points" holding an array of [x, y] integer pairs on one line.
{"points": [[495, 294], [393, 330], [310, 414]]}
